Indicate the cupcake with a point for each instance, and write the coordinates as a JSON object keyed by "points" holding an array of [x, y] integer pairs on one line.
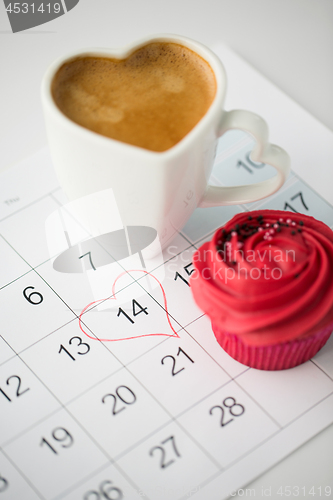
{"points": [[265, 281]]}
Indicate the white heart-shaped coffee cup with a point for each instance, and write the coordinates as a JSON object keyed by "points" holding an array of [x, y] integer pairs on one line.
{"points": [[156, 189]]}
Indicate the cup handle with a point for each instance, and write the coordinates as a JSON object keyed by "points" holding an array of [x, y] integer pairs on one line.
{"points": [[263, 152]]}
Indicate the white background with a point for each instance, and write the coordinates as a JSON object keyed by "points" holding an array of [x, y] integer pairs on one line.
{"points": [[289, 41]]}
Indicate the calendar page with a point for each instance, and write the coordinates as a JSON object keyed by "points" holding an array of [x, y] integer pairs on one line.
{"points": [[164, 414]]}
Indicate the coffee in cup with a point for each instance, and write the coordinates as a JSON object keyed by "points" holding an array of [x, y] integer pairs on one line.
{"points": [[151, 99]]}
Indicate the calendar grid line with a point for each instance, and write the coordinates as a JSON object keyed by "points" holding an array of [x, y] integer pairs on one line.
{"points": [[218, 364], [61, 405], [14, 352], [64, 207], [73, 320], [175, 419], [127, 286], [141, 278], [54, 198], [54, 190], [64, 407], [46, 336], [56, 293], [32, 486], [246, 369], [107, 343], [135, 280], [185, 237], [244, 207], [30, 427], [125, 340], [78, 483], [288, 183], [124, 269], [278, 431], [279, 427], [161, 306], [256, 402], [249, 452], [206, 396], [119, 262], [30, 204], [145, 438], [257, 446], [168, 260], [321, 369], [16, 279], [4, 444], [171, 417], [101, 448], [205, 350], [40, 264], [155, 268], [100, 301], [318, 194], [307, 411], [96, 384], [38, 200], [198, 241], [123, 366], [19, 255], [149, 350], [194, 320], [172, 420], [233, 463]]}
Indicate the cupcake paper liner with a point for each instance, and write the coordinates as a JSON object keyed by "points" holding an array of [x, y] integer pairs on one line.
{"points": [[274, 357]]}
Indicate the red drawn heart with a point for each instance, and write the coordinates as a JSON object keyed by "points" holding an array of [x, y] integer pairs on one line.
{"points": [[113, 297]]}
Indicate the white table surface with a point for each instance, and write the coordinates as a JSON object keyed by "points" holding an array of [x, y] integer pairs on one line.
{"points": [[288, 41]]}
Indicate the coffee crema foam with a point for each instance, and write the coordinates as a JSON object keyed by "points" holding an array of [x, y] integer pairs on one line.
{"points": [[151, 99]]}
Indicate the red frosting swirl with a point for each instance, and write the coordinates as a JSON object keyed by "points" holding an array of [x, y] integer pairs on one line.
{"points": [[267, 277]]}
